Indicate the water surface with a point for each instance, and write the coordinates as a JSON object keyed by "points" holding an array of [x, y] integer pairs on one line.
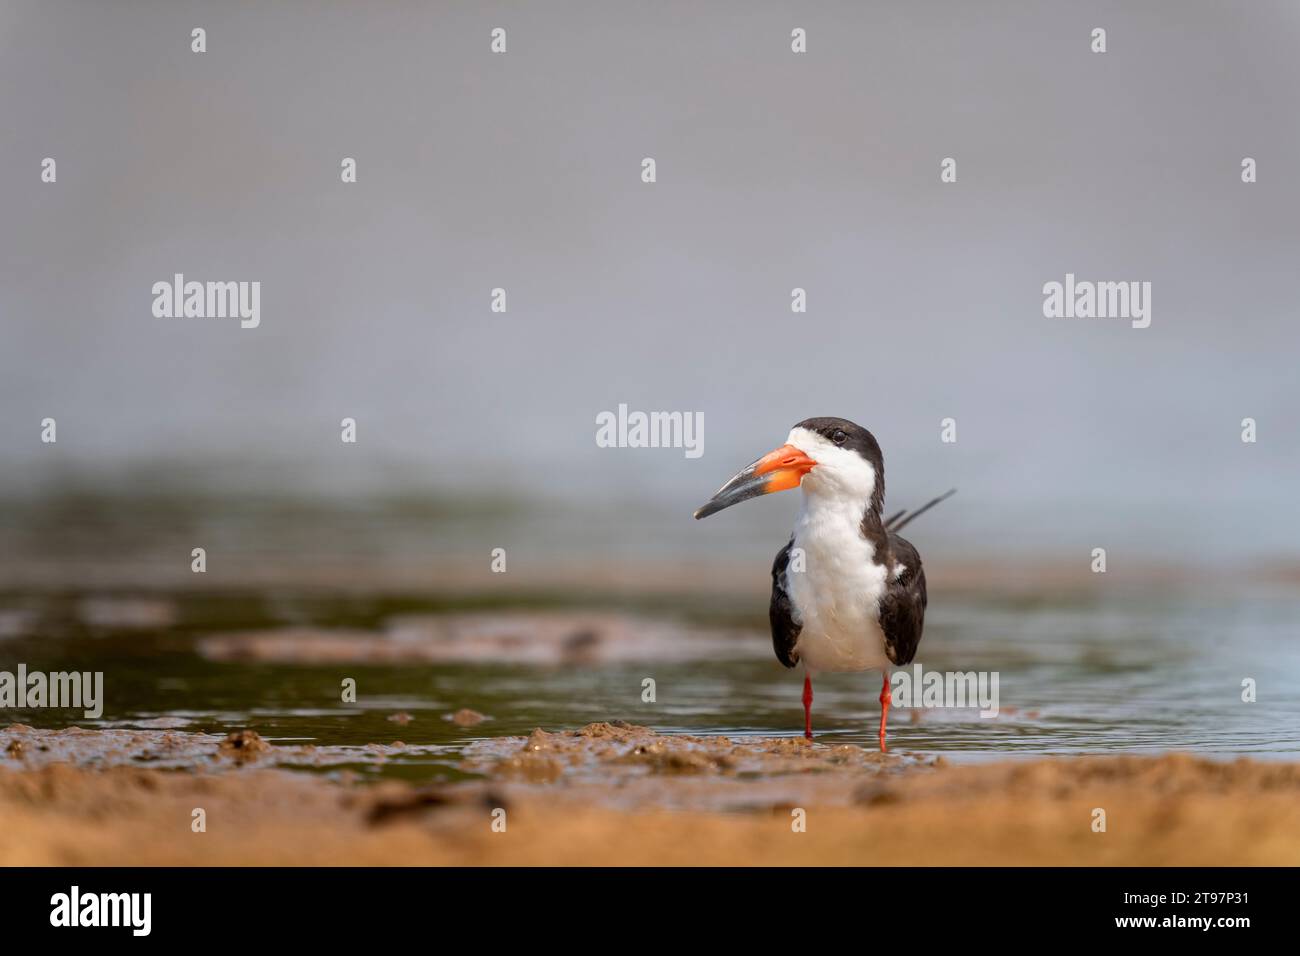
{"points": [[1135, 674]]}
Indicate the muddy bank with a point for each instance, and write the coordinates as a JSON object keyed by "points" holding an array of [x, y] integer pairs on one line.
{"points": [[620, 795], [30, 748]]}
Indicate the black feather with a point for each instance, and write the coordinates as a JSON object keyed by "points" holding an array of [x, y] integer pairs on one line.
{"points": [[785, 632], [893, 524]]}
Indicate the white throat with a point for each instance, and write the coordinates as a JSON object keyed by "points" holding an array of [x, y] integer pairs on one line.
{"points": [[840, 473]]}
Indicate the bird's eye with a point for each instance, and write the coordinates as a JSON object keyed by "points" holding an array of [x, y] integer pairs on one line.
{"points": [[839, 437]]}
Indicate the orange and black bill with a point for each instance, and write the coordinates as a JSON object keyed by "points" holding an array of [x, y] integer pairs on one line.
{"points": [[776, 471]]}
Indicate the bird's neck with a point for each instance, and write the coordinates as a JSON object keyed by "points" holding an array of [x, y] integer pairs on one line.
{"points": [[827, 518]]}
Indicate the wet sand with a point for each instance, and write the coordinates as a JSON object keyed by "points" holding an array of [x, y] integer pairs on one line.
{"points": [[617, 794]]}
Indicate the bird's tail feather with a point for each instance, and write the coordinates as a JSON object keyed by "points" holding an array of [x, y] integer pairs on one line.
{"points": [[894, 523]]}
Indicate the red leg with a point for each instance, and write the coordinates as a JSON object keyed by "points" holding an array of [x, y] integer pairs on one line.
{"points": [[807, 706], [885, 699]]}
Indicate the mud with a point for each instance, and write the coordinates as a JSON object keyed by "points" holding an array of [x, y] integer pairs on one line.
{"points": [[26, 747], [619, 794], [244, 745]]}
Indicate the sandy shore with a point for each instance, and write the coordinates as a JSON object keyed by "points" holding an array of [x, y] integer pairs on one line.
{"points": [[622, 795]]}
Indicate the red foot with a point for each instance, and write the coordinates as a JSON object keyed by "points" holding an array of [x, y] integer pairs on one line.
{"points": [[885, 699], [807, 706]]}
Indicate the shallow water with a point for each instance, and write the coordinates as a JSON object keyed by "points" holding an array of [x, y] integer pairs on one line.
{"points": [[1133, 674]]}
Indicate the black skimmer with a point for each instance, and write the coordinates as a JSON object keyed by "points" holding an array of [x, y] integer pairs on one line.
{"points": [[848, 593]]}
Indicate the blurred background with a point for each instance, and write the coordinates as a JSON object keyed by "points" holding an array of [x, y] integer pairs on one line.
{"points": [[476, 430]]}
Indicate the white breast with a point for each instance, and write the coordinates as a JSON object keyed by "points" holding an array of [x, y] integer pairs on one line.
{"points": [[836, 597]]}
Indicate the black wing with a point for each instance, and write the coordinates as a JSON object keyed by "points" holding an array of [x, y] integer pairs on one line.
{"points": [[785, 632], [902, 610]]}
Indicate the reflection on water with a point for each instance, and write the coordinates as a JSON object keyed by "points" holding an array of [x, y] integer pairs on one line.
{"points": [[1125, 675]]}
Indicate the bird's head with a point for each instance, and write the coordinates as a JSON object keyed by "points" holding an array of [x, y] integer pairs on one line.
{"points": [[827, 457]]}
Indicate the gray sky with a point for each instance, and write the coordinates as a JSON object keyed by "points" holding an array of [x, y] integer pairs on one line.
{"points": [[775, 170]]}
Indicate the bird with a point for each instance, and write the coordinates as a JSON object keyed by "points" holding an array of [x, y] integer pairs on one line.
{"points": [[848, 592]]}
